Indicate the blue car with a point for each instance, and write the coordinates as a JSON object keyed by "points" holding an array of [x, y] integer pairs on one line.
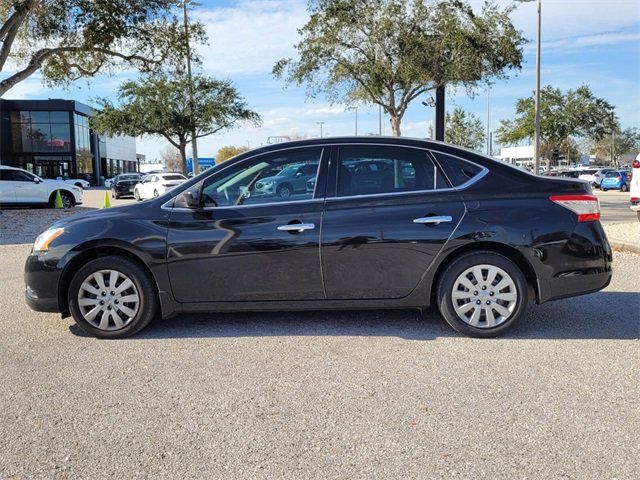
{"points": [[616, 180]]}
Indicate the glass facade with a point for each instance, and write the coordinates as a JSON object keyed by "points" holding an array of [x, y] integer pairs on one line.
{"points": [[84, 159], [38, 131], [52, 138]]}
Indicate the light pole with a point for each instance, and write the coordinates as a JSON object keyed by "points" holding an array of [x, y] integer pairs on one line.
{"points": [[356, 109], [536, 136], [380, 120], [321, 124], [194, 143], [488, 119]]}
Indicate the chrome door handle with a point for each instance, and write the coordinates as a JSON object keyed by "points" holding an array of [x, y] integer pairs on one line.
{"points": [[433, 220], [296, 227]]}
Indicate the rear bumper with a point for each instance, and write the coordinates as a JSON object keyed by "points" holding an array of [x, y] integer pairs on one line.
{"points": [[582, 264]]}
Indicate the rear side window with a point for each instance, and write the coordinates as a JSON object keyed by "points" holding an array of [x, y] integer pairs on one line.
{"points": [[378, 170], [458, 171]]}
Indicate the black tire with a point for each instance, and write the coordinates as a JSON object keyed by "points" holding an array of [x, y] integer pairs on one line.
{"points": [[603, 189], [456, 268], [284, 191], [136, 195], [147, 291], [155, 193], [624, 188], [67, 200]]}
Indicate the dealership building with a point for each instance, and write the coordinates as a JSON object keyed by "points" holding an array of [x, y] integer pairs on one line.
{"points": [[52, 138]]}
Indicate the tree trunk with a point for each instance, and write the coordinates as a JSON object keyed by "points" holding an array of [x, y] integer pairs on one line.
{"points": [[395, 121], [183, 157]]}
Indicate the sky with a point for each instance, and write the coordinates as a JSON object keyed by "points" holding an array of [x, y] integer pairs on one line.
{"points": [[592, 42]]}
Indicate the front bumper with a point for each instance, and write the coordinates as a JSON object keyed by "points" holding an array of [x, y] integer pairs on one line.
{"points": [[41, 278]]}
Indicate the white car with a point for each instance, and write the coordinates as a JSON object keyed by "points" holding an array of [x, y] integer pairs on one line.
{"points": [[157, 184], [19, 187], [595, 175], [634, 189], [78, 182]]}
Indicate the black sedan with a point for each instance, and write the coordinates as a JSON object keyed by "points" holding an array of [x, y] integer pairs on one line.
{"points": [[390, 223], [123, 185]]}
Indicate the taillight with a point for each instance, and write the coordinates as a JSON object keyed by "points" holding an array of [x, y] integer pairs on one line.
{"points": [[635, 164], [586, 207]]}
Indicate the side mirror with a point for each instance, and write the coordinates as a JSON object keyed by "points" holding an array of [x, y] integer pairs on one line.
{"points": [[192, 198], [36, 180]]}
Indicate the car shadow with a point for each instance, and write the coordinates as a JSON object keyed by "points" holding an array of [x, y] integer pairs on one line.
{"points": [[602, 315]]}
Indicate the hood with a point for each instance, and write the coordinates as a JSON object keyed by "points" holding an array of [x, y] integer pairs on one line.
{"points": [[275, 178]]}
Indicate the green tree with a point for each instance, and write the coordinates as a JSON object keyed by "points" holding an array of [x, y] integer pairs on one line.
{"points": [[625, 141], [159, 105], [70, 39], [389, 52], [574, 114], [464, 129], [225, 153]]}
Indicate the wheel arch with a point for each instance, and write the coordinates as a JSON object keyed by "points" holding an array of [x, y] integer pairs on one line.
{"points": [[505, 250], [91, 253]]}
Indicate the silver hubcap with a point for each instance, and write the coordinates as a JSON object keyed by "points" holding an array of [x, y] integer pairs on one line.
{"points": [[484, 296], [108, 300]]}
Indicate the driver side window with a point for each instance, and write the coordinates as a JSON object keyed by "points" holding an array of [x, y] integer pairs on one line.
{"points": [[272, 178]]}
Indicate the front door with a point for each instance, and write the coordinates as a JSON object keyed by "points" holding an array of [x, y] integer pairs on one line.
{"points": [[29, 189], [246, 242], [390, 215]]}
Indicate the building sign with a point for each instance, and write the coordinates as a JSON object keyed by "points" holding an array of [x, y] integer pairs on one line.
{"points": [[203, 163]]}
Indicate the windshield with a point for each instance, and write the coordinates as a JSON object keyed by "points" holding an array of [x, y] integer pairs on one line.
{"points": [[613, 174], [288, 172], [173, 177]]}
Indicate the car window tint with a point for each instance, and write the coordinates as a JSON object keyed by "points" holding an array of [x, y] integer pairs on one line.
{"points": [[458, 171], [377, 170], [19, 176], [273, 178]]}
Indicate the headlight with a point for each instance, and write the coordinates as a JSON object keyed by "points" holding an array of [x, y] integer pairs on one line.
{"points": [[45, 238]]}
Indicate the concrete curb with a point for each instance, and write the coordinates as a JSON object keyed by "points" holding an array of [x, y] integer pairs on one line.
{"points": [[624, 246]]}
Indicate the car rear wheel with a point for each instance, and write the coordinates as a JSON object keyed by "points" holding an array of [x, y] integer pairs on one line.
{"points": [[482, 294], [624, 187], [155, 193], [136, 195], [112, 297]]}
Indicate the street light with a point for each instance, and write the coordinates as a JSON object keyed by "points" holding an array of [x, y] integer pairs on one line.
{"points": [[356, 109], [321, 124], [536, 145], [194, 143]]}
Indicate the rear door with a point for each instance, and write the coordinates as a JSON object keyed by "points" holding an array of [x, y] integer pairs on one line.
{"points": [[390, 212]]}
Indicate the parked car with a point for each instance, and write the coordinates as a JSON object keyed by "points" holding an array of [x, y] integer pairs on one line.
{"points": [[124, 184], [616, 180], [437, 235], [594, 176], [78, 182], [157, 184], [108, 183], [571, 173], [20, 187], [634, 186], [287, 182]]}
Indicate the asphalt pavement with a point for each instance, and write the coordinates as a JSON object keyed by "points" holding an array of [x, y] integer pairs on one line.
{"points": [[375, 394]]}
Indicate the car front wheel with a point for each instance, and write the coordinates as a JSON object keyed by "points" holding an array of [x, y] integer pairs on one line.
{"points": [[482, 294], [112, 297]]}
